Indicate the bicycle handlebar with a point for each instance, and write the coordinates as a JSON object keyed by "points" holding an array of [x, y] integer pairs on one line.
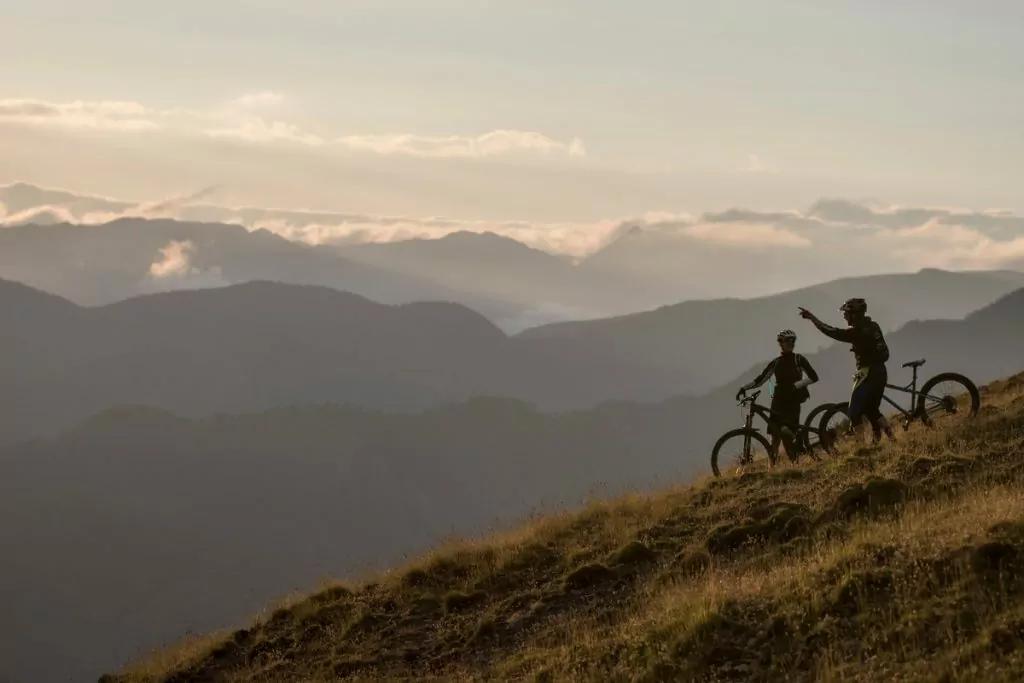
{"points": [[749, 399]]}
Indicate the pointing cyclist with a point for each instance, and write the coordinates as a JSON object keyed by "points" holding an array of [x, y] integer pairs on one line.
{"points": [[870, 353], [793, 374]]}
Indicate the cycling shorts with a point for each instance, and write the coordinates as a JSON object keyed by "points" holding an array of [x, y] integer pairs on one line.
{"points": [[785, 411], [866, 398]]}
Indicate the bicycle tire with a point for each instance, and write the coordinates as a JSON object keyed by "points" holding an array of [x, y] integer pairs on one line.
{"points": [[809, 420], [972, 390], [733, 433], [843, 408], [809, 427]]}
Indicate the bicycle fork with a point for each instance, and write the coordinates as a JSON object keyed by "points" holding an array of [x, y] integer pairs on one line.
{"points": [[748, 424]]}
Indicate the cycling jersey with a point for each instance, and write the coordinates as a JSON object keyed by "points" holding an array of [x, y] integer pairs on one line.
{"points": [[787, 368], [865, 338]]}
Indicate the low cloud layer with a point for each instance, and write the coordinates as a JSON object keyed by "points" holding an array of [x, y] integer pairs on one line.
{"points": [[101, 115], [856, 236], [253, 118], [495, 143]]}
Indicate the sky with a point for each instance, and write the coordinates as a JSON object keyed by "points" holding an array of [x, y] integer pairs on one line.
{"points": [[490, 110]]}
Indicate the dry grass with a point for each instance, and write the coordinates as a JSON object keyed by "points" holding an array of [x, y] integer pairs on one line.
{"points": [[903, 562]]}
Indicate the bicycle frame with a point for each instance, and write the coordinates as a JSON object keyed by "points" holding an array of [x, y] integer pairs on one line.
{"points": [[911, 389]]}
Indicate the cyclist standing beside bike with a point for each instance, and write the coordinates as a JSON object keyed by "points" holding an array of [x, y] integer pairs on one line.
{"points": [[870, 353], [793, 374]]}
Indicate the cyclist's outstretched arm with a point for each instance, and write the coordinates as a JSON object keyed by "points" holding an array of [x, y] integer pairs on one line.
{"points": [[839, 334]]}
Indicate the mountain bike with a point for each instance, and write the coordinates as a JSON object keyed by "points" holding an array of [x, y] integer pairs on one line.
{"points": [[947, 393], [742, 442]]}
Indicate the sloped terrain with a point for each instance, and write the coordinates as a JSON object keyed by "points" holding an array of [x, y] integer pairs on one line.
{"points": [[894, 562]]}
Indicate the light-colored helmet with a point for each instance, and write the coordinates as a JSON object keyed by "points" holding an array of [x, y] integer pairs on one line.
{"points": [[786, 335]]}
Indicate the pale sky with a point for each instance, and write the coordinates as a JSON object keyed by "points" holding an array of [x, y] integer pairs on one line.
{"points": [[553, 110]]}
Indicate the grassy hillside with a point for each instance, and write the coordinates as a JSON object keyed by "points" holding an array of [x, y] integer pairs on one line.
{"points": [[898, 562]]}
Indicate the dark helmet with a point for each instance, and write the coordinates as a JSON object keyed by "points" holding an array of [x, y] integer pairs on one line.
{"points": [[855, 307], [786, 335]]}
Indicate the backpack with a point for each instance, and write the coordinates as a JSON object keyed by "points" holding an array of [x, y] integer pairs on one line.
{"points": [[881, 348]]}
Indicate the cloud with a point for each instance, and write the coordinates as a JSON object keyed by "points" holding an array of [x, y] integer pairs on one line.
{"points": [[958, 246], [40, 215], [831, 237], [747, 235], [489, 144], [755, 165], [260, 99], [257, 130], [173, 270], [175, 260], [70, 210], [238, 120], [167, 208], [102, 114]]}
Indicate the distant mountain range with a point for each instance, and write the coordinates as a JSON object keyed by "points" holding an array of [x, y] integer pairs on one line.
{"points": [[91, 250], [711, 339], [138, 525], [512, 284], [261, 345], [100, 264]]}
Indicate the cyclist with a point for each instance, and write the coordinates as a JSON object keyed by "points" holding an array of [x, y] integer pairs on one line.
{"points": [[867, 343], [793, 374]]}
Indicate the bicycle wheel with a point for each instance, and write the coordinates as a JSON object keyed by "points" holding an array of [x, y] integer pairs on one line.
{"points": [[730, 447], [813, 415], [835, 423], [948, 394], [809, 430]]}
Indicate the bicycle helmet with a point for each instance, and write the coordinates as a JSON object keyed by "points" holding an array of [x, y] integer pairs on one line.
{"points": [[854, 307], [786, 335]]}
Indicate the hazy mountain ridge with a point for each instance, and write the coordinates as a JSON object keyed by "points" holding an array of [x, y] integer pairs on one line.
{"points": [[713, 338], [616, 267], [100, 264], [258, 345]]}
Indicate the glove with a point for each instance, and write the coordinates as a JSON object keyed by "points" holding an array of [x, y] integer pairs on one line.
{"points": [[801, 383], [741, 393]]}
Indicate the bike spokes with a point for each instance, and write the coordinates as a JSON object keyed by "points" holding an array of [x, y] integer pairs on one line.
{"points": [[947, 401], [835, 426], [742, 451]]}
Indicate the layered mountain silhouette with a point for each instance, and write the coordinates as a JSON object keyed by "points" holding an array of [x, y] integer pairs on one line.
{"points": [[138, 525], [512, 284], [101, 264], [259, 345], [711, 339], [545, 284]]}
